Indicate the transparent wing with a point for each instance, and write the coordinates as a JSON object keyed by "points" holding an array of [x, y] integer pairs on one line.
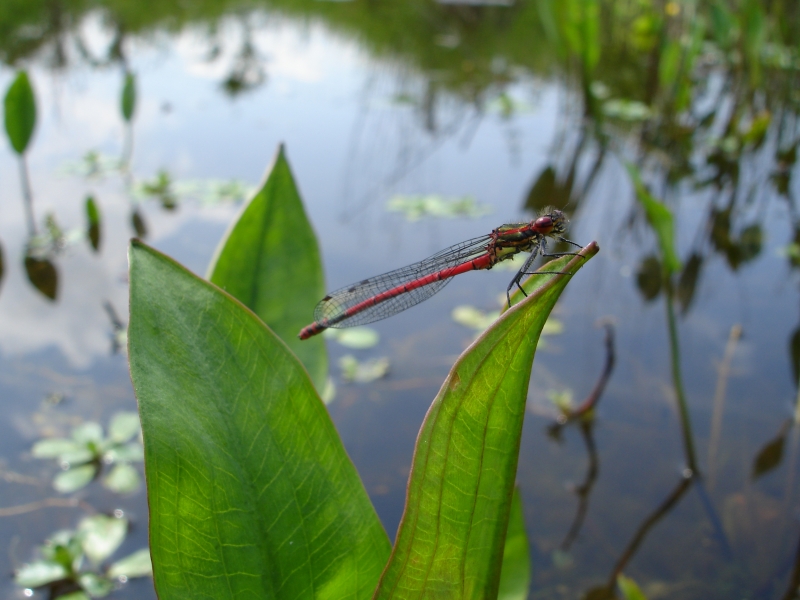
{"points": [[331, 308]]}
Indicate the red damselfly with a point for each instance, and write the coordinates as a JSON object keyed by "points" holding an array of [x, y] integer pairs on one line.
{"points": [[380, 297]]}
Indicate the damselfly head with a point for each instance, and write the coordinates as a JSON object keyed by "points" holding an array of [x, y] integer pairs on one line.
{"points": [[553, 222]]}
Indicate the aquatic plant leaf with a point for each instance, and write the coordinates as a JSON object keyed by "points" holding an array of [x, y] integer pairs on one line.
{"points": [[128, 99], [95, 585], [359, 338], [363, 371], [20, 112], [55, 447], [123, 426], [451, 538], [123, 479], [39, 573], [629, 589], [660, 219], [74, 479], [89, 432], [137, 564], [101, 535], [93, 218], [269, 260], [132, 452], [687, 282], [241, 456], [43, 275], [75, 596], [515, 575]]}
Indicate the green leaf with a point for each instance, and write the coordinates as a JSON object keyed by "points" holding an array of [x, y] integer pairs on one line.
{"points": [[93, 217], [101, 535], [89, 432], [359, 338], [39, 573], [137, 564], [53, 448], [20, 112], [128, 101], [660, 219], [123, 426], [96, 585], [269, 260], [123, 479], [251, 492], [451, 537], [74, 479], [629, 589], [515, 576]]}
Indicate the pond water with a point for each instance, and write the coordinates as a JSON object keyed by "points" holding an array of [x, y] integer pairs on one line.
{"points": [[515, 107]]}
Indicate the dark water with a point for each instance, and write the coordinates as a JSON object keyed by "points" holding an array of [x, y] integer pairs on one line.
{"points": [[377, 100]]}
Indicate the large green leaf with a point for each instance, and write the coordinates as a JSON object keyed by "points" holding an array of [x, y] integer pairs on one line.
{"points": [[451, 537], [250, 490], [20, 112], [515, 576], [269, 260], [660, 219]]}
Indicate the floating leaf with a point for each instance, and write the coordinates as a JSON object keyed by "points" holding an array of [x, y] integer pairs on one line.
{"points": [[39, 573], [93, 217], [101, 535], [364, 371], [627, 110], [269, 260], [241, 456], [123, 427], [137, 564], [123, 479], [43, 275], [515, 576], [74, 479], [358, 338], [54, 448], [474, 318], [89, 432], [432, 205], [132, 452], [20, 112], [96, 585], [128, 100]]}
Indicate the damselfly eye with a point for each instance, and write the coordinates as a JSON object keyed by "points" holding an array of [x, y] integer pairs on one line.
{"points": [[544, 222]]}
